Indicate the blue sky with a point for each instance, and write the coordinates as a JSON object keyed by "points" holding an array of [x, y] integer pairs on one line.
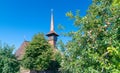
{"points": [[19, 18]]}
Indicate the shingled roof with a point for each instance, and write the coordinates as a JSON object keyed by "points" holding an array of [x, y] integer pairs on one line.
{"points": [[20, 52]]}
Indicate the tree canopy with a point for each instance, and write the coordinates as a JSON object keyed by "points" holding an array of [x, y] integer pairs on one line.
{"points": [[38, 54], [8, 61], [95, 46]]}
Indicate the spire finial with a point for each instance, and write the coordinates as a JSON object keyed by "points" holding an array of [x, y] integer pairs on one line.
{"points": [[52, 21], [51, 10]]}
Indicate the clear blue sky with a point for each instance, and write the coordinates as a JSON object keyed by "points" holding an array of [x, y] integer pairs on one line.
{"points": [[19, 18]]}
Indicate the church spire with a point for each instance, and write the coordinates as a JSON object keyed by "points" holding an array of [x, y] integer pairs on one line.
{"points": [[52, 35], [52, 21]]}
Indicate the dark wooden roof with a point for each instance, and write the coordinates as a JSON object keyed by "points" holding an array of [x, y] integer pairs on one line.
{"points": [[52, 33], [21, 50]]}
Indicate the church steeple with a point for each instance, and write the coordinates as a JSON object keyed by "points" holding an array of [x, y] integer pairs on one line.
{"points": [[52, 35]]}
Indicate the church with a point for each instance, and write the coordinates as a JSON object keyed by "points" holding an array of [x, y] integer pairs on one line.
{"points": [[52, 39]]}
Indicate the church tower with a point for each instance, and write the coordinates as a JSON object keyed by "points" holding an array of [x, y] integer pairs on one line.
{"points": [[52, 35]]}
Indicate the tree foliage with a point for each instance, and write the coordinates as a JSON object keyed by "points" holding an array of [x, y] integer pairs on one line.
{"points": [[8, 61], [55, 63], [38, 54], [95, 46]]}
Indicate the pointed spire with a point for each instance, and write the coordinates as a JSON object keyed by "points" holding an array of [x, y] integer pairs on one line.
{"points": [[52, 21], [52, 30]]}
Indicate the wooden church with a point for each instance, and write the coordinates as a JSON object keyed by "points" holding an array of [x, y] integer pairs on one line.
{"points": [[52, 39]]}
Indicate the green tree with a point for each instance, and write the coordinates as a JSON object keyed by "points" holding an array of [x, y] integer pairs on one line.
{"points": [[55, 63], [38, 54], [95, 47], [116, 3], [8, 61]]}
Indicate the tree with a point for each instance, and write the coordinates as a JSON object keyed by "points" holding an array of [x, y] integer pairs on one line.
{"points": [[8, 61], [116, 3], [55, 63], [38, 54], [95, 46]]}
